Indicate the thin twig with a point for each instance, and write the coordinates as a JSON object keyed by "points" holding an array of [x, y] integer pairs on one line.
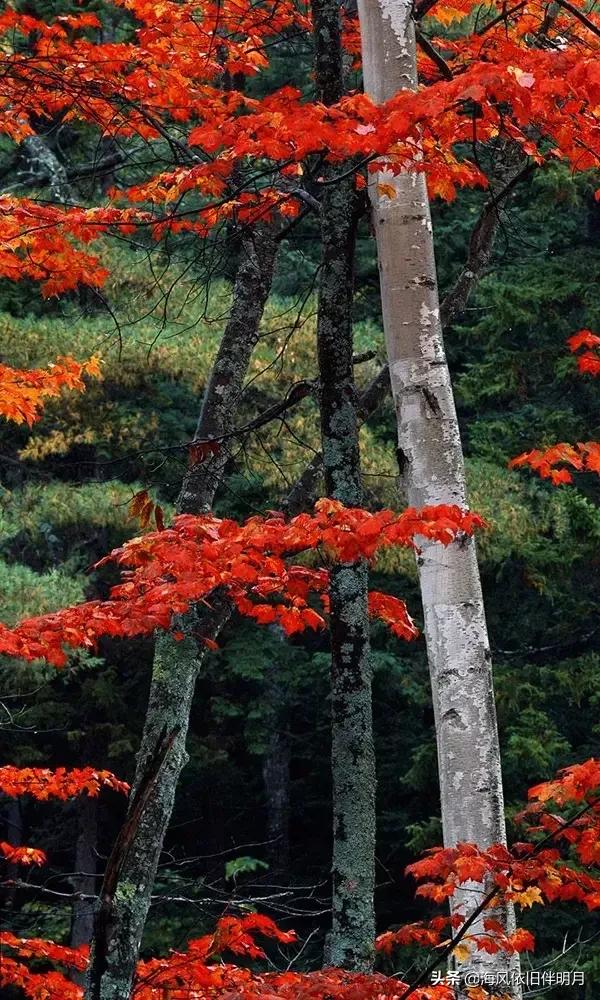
{"points": [[485, 902]]}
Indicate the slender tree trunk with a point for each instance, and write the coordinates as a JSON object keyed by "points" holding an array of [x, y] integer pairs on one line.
{"points": [[432, 470], [131, 870], [276, 777], [353, 756], [13, 821], [84, 879], [276, 772], [302, 496]]}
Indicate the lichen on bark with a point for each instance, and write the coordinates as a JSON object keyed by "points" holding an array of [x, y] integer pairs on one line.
{"points": [[352, 754]]}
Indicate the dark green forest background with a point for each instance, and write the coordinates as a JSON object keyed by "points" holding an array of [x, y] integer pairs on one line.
{"points": [[252, 820]]}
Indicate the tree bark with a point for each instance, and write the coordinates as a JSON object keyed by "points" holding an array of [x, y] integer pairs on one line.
{"points": [[44, 167], [432, 471], [131, 870], [352, 753], [276, 772], [84, 879], [13, 821]]}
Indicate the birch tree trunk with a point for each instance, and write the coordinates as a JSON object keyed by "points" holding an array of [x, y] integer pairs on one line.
{"points": [[353, 757], [432, 471], [131, 869]]}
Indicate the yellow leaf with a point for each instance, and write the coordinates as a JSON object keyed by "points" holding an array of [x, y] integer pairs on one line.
{"points": [[477, 993], [528, 897], [387, 190], [461, 952]]}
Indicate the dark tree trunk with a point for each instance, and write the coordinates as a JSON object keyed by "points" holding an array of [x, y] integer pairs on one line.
{"points": [[44, 167], [276, 772], [84, 879], [353, 757], [13, 821], [131, 870]]}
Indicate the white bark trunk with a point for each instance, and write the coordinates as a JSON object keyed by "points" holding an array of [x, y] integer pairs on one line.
{"points": [[432, 471]]}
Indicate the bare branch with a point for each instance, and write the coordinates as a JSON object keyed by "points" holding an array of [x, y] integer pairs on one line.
{"points": [[480, 250], [429, 50], [580, 16]]}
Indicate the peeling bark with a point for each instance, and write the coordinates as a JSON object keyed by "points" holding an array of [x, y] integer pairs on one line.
{"points": [[432, 471], [352, 752], [127, 887]]}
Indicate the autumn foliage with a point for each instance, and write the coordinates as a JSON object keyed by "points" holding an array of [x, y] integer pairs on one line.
{"points": [[166, 571], [532, 872], [41, 783], [22, 393], [555, 463], [520, 77]]}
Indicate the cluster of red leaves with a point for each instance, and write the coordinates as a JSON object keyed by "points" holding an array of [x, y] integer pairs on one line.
{"points": [[550, 463], [576, 784], [130, 87], [22, 393], [22, 855], [583, 457], [544, 98], [589, 361], [435, 933], [49, 985], [525, 879], [143, 507], [40, 242], [196, 971], [42, 783], [525, 875], [76, 958], [166, 571], [227, 981]]}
